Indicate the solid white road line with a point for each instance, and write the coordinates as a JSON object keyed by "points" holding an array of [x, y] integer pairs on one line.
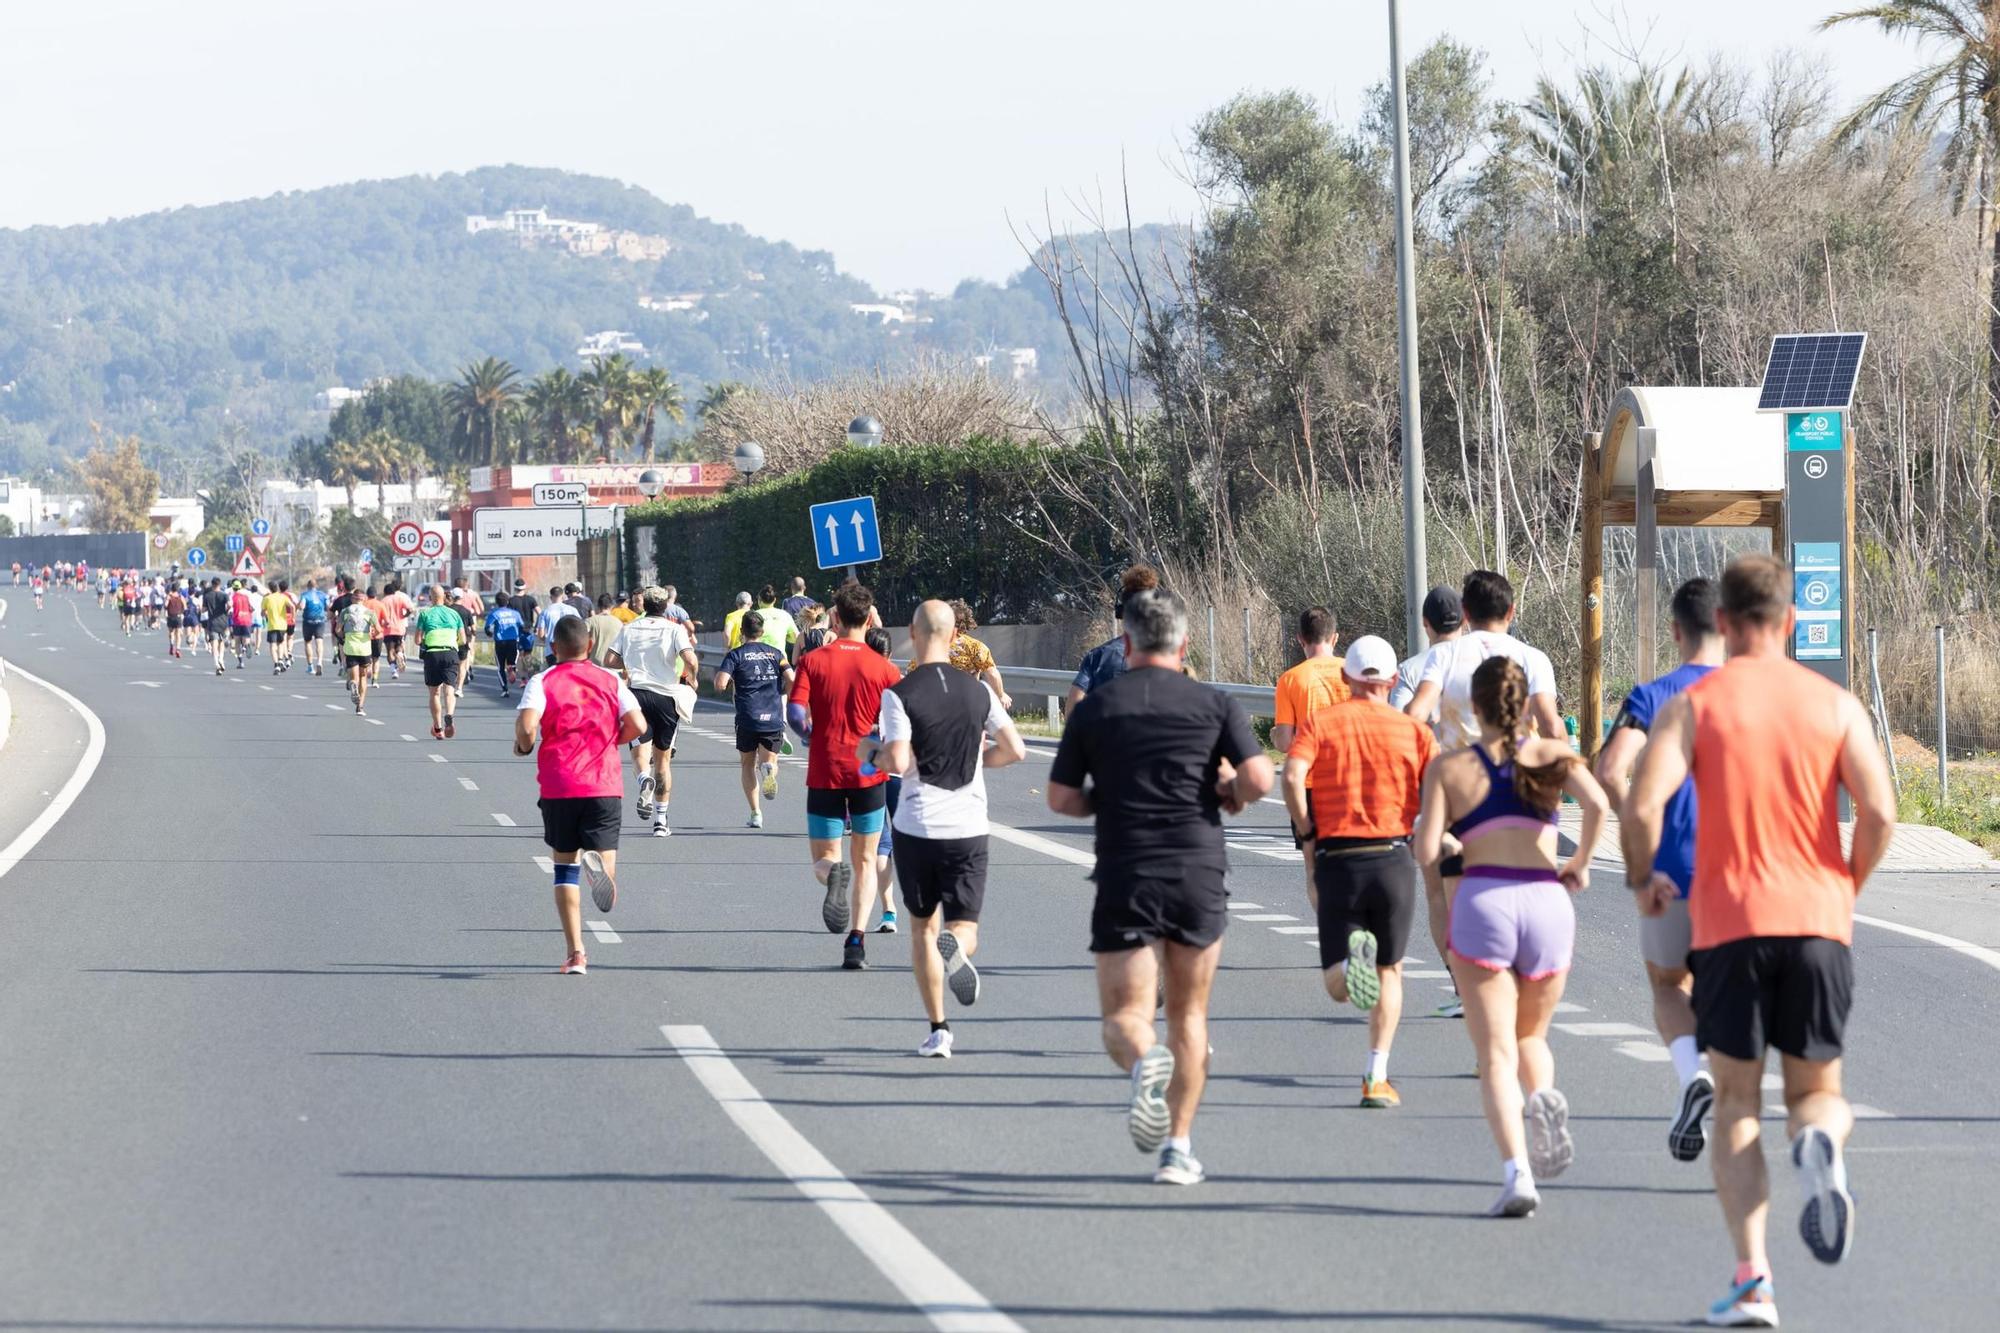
{"points": [[93, 751], [504, 821], [1977, 953], [951, 1303], [602, 932], [1035, 842]]}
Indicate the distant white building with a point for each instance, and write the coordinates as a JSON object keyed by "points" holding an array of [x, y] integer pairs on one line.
{"points": [[178, 515], [891, 314], [333, 395], [531, 224], [607, 341], [289, 504]]}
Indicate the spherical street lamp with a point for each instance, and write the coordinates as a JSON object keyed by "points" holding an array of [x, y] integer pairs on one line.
{"points": [[749, 457], [651, 483], [864, 432]]}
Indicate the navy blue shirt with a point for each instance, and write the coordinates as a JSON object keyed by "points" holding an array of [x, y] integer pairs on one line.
{"points": [[757, 671], [1101, 665], [1675, 859]]}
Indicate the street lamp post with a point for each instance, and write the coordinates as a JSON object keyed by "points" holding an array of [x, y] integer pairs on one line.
{"points": [[1415, 576], [651, 483], [864, 432]]}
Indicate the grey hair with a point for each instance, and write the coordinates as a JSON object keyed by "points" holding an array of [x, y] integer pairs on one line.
{"points": [[743, 599], [671, 591], [1156, 621]]}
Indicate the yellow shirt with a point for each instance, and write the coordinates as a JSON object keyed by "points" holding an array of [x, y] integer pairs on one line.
{"points": [[626, 615], [277, 611], [732, 626]]}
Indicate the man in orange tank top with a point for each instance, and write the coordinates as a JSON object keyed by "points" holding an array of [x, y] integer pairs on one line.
{"points": [[1768, 744]]}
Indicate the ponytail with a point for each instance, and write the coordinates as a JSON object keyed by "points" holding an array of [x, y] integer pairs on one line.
{"points": [[1500, 695]]}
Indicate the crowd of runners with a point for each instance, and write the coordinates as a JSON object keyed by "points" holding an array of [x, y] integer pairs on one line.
{"points": [[1436, 780]]}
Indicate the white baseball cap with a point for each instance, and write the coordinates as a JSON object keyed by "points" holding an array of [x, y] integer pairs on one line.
{"points": [[1370, 658]]}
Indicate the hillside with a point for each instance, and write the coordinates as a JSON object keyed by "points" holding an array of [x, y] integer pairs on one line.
{"points": [[202, 326]]}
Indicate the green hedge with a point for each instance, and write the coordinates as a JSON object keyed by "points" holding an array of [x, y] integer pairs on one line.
{"points": [[952, 520]]}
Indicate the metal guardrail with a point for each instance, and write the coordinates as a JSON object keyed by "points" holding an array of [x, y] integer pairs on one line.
{"points": [[1053, 685]]}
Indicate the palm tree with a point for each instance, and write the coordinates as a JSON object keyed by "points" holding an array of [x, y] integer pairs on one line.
{"points": [[478, 400], [719, 396], [614, 396], [1962, 91], [556, 401], [381, 453], [345, 465], [657, 396]]}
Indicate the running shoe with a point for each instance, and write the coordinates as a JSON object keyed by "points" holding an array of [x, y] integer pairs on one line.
{"points": [[959, 973], [770, 775], [437, 733], [887, 925], [785, 746], [1379, 1094], [1452, 1008], [603, 888], [359, 711], [1178, 1168], [1550, 1149], [1518, 1198], [660, 829], [1749, 1304], [937, 1046], [1687, 1138], [1827, 1222], [449, 729], [854, 954], [1364, 983], [1147, 1118], [646, 787], [756, 820], [834, 910], [574, 966]]}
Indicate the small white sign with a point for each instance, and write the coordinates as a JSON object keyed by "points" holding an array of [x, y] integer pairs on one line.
{"points": [[561, 493], [533, 531], [489, 566], [409, 563]]}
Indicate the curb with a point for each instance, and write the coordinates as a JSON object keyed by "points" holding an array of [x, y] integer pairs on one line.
{"points": [[6, 716]]}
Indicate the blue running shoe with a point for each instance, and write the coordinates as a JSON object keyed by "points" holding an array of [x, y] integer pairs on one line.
{"points": [[1748, 1305]]}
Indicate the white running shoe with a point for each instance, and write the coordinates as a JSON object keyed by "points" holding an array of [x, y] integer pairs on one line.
{"points": [[959, 973], [756, 820], [1550, 1149], [1147, 1118], [1827, 1222], [1518, 1198], [603, 888], [1178, 1168], [660, 829], [937, 1045], [1686, 1138], [646, 787]]}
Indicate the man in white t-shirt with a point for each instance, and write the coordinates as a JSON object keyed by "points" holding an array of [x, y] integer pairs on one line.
{"points": [[654, 655], [553, 614], [1444, 619], [934, 729]]}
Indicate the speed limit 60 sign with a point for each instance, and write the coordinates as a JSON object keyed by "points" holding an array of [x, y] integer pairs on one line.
{"points": [[406, 537]]}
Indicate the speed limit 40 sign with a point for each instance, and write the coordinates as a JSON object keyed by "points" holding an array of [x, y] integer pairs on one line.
{"points": [[431, 544]]}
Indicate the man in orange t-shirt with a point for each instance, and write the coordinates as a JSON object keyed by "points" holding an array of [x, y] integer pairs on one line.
{"points": [[1365, 762], [1767, 742], [1306, 688]]}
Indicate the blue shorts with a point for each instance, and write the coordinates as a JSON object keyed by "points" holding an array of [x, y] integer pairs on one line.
{"points": [[833, 811]]}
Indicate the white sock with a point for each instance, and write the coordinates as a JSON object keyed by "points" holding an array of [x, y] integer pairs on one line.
{"points": [[1518, 1169], [1185, 1143], [1378, 1066], [1687, 1059]]}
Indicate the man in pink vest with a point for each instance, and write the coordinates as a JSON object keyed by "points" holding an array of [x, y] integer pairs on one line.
{"points": [[581, 714]]}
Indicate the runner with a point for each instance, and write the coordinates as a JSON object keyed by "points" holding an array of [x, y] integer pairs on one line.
{"points": [[1767, 742], [397, 608], [17, 573], [545, 624], [732, 624], [973, 657], [797, 602], [838, 695], [1513, 928], [654, 655], [278, 627], [128, 604], [471, 609], [1164, 756], [677, 612], [506, 628], [360, 634], [1444, 620], [36, 588], [1106, 662], [312, 626], [603, 629], [1354, 772], [813, 633], [780, 630], [582, 605], [441, 636], [761, 679], [242, 617], [1443, 698], [177, 617], [1315, 683], [879, 642], [580, 714], [1664, 940], [630, 609], [215, 620], [935, 724]]}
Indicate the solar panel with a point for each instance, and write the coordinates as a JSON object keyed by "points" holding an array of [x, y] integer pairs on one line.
{"points": [[1810, 372]]}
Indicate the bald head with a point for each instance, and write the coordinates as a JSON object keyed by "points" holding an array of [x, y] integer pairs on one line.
{"points": [[931, 631]]}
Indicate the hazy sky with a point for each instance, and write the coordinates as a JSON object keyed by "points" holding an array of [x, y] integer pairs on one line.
{"points": [[901, 136]]}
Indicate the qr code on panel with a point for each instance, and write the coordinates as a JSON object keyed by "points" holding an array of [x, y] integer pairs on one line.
{"points": [[1816, 633]]}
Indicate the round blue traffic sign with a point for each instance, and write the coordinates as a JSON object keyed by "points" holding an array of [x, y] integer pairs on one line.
{"points": [[197, 557], [367, 554], [261, 526]]}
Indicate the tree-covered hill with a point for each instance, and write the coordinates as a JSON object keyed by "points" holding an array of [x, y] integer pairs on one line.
{"points": [[207, 328]]}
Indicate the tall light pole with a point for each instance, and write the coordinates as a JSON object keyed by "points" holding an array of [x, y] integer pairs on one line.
{"points": [[1415, 576]]}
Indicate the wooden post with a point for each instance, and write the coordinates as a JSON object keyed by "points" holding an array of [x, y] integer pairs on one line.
{"points": [[1646, 558], [1590, 714]]}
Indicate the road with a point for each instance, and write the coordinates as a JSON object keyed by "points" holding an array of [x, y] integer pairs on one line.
{"points": [[283, 1049]]}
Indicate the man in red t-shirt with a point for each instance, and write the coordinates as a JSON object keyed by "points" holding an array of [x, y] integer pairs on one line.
{"points": [[839, 693]]}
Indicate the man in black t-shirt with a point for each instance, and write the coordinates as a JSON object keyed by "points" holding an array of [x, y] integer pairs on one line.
{"points": [[1164, 756]]}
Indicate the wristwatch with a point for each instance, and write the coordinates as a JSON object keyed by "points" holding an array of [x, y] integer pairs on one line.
{"points": [[1301, 839]]}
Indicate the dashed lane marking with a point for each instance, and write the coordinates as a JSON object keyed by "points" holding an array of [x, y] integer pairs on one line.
{"points": [[602, 932], [334, 707], [1289, 930], [298, 696], [468, 784], [1649, 1051], [1264, 916], [438, 759], [408, 737], [504, 821], [1602, 1030], [1239, 906], [546, 864]]}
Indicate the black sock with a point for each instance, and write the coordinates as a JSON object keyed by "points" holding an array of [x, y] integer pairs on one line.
{"points": [[941, 1027]]}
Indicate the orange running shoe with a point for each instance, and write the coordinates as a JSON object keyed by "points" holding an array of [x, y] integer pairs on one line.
{"points": [[1378, 1095]]}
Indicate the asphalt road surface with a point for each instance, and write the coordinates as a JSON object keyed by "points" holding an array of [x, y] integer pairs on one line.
{"points": [[281, 1047]]}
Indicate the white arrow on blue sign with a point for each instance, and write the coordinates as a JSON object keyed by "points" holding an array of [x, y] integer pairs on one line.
{"points": [[233, 542], [261, 526], [197, 557], [367, 554], [844, 532]]}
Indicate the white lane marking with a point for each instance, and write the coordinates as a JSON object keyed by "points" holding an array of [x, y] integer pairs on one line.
{"points": [[468, 784], [1236, 906], [438, 759], [373, 722], [409, 738], [1291, 930], [1425, 974], [1865, 1112], [547, 864], [1602, 1030], [1262, 916], [602, 932], [1035, 842], [263, 687], [334, 707], [65, 797], [149, 684], [951, 1303], [298, 696], [1649, 1051], [1978, 953], [504, 821], [1571, 1007]]}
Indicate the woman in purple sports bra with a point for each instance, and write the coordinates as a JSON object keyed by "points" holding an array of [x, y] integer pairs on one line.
{"points": [[1512, 925]]}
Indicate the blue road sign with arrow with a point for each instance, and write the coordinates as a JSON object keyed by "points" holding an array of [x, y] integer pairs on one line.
{"points": [[261, 526], [197, 557], [844, 532], [233, 543]]}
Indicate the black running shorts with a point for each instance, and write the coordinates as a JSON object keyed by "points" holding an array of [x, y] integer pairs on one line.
{"points": [[1182, 901], [846, 802], [312, 629], [663, 718], [274, 636], [1371, 891], [356, 663], [749, 740], [580, 823], [173, 622], [1792, 992], [239, 631], [505, 651], [392, 641], [440, 667], [941, 872]]}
